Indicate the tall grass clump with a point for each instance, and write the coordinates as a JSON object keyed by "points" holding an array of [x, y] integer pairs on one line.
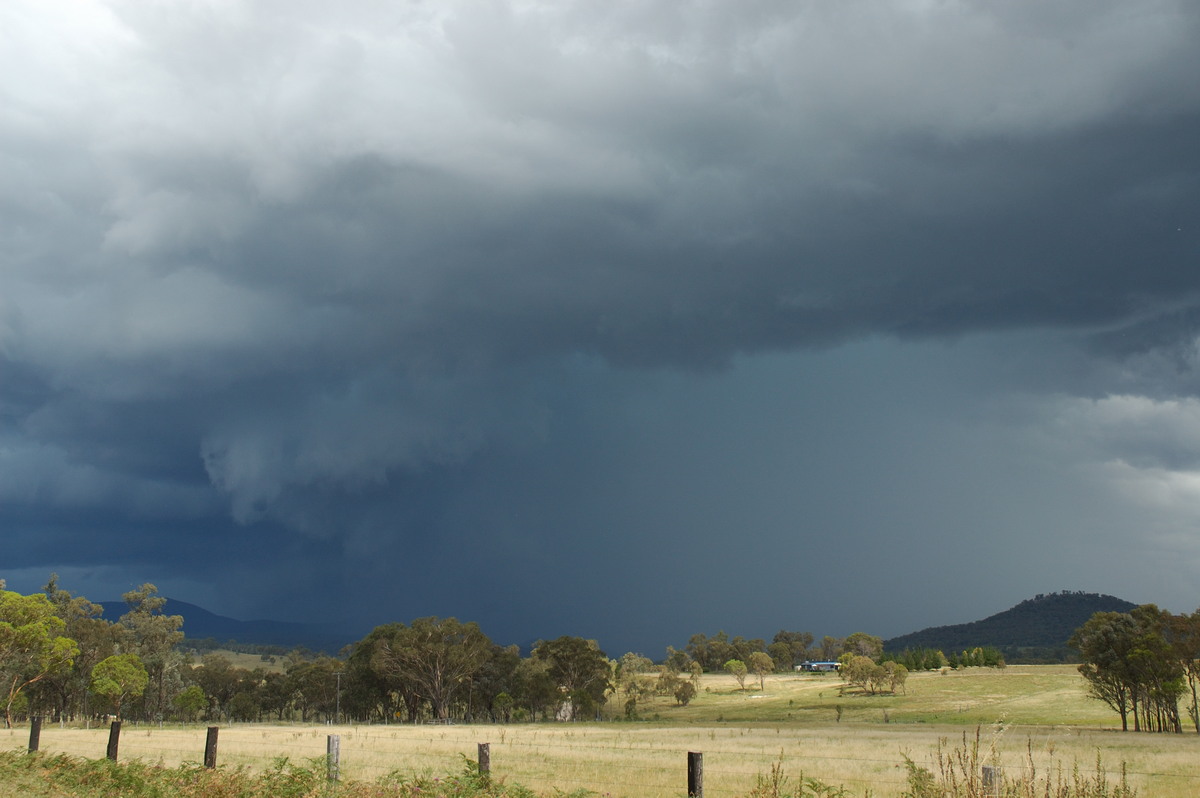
{"points": [[960, 774]]}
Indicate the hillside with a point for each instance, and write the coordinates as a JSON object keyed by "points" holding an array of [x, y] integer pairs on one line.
{"points": [[1036, 630], [199, 624]]}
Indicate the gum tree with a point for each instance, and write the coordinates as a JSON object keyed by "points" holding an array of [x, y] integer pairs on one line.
{"points": [[31, 644], [119, 677]]}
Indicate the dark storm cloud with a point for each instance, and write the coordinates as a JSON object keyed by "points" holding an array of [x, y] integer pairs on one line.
{"points": [[281, 268]]}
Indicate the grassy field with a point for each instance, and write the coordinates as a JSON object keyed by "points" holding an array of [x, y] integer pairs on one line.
{"points": [[1024, 713], [247, 661]]}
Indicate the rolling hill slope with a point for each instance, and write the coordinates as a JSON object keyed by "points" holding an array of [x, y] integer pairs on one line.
{"points": [[1036, 630]]}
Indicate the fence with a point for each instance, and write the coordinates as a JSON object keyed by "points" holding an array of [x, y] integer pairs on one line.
{"points": [[618, 759]]}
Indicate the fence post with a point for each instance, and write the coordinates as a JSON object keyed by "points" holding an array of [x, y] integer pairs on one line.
{"points": [[333, 749], [114, 738], [991, 780], [210, 748], [35, 732], [485, 759], [695, 765]]}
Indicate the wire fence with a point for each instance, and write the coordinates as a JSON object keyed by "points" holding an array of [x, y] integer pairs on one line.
{"points": [[615, 759]]}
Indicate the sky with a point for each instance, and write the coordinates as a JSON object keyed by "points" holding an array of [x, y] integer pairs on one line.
{"points": [[608, 318]]}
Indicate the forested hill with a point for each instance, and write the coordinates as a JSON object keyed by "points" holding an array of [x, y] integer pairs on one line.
{"points": [[1036, 630], [199, 623]]}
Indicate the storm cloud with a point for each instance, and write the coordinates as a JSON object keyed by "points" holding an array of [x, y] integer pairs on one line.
{"points": [[674, 311]]}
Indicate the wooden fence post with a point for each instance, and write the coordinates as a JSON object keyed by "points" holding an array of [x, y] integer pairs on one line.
{"points": [[210, 748], [333, 749], [695, 765], [35, 732], [485, 759], [114, 738], [991, 780]]}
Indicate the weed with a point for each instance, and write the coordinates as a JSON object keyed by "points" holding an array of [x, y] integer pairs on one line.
{"points": [[774, 784], [962, 774]]}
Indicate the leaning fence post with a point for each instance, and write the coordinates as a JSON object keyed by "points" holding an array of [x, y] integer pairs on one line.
{"points": [[695, 765], [333, 748], [485, 759], [114, 738], [210, 748], [35, 732]]}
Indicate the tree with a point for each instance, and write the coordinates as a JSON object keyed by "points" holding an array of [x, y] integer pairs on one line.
{"points": [[630, 670], [760, 664], [864, 645], [738, 670], [1185, 645], [579, 668], [896, 675], [536, 690], [313, 684], [684, 693], [781, 655], [119, 677], [830, 648], [743, 648], [861, 672], [190, 702], [154, 637], [1130, 665], [1104, 642], [244, 707], [668, 680], [65, 692], [219, 680], [31, 644], [275, 694], [439, 656], [497, 677], [1160, 675], [795, 644], [371, 693]]}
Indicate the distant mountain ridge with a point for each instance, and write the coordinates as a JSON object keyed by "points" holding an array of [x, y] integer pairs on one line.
{"points": [[1036, 630], [199, 623]]}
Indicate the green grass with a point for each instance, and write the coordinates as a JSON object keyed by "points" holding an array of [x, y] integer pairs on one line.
{"points": [[249, 662], [1038, 695]]}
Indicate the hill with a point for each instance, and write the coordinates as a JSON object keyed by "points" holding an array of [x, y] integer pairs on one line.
{"points": [[200, 624], [1036, 630]]}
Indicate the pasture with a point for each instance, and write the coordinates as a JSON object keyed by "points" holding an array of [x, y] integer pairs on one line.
{"points": [[1026, 715]]}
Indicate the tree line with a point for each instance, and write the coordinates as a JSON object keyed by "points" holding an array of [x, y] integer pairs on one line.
{"points": [[60, 658], [1143, 663]]}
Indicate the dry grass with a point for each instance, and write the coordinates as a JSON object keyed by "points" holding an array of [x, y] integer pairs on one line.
{"points": [[1043, 707], [649, 759]]}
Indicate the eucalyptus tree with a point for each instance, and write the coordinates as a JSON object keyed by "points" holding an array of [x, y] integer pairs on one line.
{"points": [[1130, 665], [760, 664], [64, 693], [32, 646], [438, 656], [119, 677], [154, 636], [579, 668], [738, 670]]}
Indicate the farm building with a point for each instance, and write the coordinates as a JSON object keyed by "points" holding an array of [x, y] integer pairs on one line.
{"points": [[818, 667]]}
